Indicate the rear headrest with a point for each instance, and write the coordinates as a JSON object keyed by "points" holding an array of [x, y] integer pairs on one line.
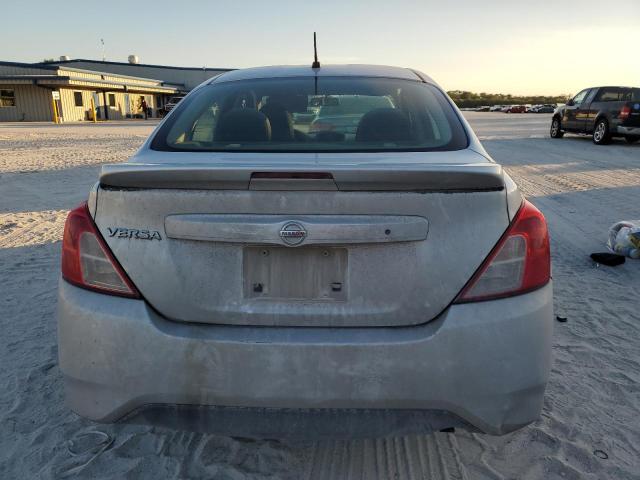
{"points": [[292, 102], [280, 120], [383, 125], [243, 125]]}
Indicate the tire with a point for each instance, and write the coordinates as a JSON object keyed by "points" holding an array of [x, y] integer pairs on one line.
{"points": [[631, 139], [556, 128], [601, 133]]}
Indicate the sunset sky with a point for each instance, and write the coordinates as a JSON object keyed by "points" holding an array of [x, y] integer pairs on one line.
{"points": [[498, 46]]}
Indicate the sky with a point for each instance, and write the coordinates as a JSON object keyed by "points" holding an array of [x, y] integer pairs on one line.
{"points": [[499, 46]]}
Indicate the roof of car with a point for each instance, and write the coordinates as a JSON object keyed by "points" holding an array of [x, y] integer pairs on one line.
{"points": [[325, 71]]}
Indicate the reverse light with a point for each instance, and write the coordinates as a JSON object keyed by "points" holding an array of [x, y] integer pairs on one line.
{"points": [[519, 263], [87, 261]]}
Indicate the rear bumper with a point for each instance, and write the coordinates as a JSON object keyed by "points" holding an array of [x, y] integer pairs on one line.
{"points": [[485, 362], [628, 130], [297, 424]]}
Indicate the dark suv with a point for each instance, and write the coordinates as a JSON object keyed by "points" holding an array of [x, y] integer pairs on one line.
{"points": [[603, 112]]}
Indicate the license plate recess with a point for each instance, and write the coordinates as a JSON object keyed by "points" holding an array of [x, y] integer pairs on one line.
{"points": [[307, 273]]}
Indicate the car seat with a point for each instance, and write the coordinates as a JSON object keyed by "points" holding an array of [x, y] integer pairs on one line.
{"points": [[243, 125], [384, 125], [280, 120]]}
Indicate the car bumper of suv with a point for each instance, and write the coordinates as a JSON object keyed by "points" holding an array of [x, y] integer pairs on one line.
{"points": [[486, 362], [629, 130]]}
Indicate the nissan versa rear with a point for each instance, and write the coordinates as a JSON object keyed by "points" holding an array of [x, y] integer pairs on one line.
{"points": [[316, 239]]}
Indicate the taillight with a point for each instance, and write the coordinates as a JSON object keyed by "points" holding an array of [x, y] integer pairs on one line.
{"points": [[519, 263], [625, 112], [86, 259]]}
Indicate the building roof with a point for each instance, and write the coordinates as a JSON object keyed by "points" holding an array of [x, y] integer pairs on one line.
{"points": [[80, 82], [324, 71], [42, 66], [105, 62], [66, 76], [56, 67]]}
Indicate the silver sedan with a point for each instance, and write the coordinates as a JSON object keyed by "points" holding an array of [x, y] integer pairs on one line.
{"points": [[243, 259]]}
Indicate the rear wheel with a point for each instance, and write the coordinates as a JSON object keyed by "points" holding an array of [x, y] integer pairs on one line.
{"points": [[556, 130], [631, 139], [601, 134]]}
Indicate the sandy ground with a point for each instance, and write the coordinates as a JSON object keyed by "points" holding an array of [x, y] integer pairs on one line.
{"points": [[593, 398]]}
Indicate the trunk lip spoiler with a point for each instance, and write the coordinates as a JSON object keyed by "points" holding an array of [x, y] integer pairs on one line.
{"points": [[433, 177]]}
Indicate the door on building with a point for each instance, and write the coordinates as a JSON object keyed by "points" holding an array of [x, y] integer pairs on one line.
{"points": [[127, 106], [96, 105], [57, 104], [143, 106]]}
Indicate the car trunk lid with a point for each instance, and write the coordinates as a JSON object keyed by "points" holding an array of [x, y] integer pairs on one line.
{"points": [[373, 244]]}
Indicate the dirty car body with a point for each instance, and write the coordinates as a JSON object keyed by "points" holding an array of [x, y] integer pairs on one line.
{"points": [[241, 259]]}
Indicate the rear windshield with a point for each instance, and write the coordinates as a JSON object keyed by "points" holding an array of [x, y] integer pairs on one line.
{"points": [[305, 114], [618, 94]]}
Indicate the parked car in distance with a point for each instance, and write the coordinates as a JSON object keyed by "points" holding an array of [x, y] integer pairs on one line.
{"points": [[516, 109], [381, 262], [173, 101], [341, 114], [482, 109], [496, 108], [547, 108], [602, 112]]}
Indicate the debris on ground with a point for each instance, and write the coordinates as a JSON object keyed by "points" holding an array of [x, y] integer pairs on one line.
{"points": [[609, 259], [624, 238], [601, 454]]}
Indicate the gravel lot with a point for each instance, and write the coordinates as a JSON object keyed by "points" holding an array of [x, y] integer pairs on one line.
{"points": [[593, 398]]}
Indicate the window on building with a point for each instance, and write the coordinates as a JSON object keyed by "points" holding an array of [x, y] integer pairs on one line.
{"points": [[112, 99], [77, 97], [7, 98]]}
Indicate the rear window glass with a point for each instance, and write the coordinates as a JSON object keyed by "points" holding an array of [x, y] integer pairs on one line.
{"points": [[305, 114], [619, 94]]}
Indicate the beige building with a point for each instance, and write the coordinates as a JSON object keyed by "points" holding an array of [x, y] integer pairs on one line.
{"points": [[39, 92]]}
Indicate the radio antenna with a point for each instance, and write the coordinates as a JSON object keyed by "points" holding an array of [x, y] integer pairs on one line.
{"points": [[316, 63]]}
